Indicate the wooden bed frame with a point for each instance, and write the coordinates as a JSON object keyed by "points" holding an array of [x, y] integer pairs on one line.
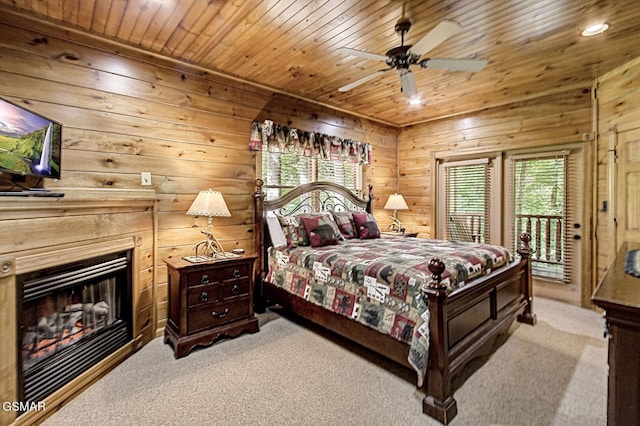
{"points": [[464, 323]]}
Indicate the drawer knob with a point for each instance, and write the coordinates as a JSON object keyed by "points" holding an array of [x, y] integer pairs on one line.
{"points": [[204, 296], [235, 289], [236, 273], [220, 315], [204, 279]]}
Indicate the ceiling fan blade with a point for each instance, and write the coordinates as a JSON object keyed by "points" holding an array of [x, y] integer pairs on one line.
{"points": [[471, 65], [363, 80], [361, 53], [440, 33]]}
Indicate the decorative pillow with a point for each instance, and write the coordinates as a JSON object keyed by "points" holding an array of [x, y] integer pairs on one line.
{"points": [[346, 225], [293, 230], [320, 230], [366, 225]]}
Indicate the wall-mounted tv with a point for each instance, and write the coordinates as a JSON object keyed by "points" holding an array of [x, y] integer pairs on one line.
{"points": [[30, 144]]}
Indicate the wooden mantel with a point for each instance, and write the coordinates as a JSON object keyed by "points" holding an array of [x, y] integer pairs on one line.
{"points": [[42, 232]]}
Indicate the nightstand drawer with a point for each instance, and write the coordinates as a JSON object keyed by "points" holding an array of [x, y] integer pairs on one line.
{"points": [[236, 271], [198, 295], [236, 288], [214, 315], [208, 276]]}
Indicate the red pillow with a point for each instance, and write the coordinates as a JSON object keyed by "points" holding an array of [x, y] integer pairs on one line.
{"points": [[366, 225], [320, 230]]}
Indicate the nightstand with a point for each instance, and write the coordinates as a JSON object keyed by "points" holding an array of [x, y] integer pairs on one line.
{"points": [[207, 301], [400, 234]]}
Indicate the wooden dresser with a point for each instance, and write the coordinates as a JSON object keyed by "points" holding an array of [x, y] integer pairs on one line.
{"points": [[619, 295], [207, 301]]}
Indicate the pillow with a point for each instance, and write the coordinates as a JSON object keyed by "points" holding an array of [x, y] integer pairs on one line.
{"points": [[293, 230], [320, 230], [366, 225], [278, 237], [346, 225]]}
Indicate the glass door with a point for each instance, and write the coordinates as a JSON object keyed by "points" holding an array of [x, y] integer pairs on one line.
{"points": [[545, 198]]}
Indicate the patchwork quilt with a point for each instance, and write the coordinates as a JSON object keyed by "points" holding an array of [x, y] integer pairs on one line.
{"points": [[378, 282]]}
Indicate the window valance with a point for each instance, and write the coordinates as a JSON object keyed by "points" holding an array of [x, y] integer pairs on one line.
{"points": [[278, 138]]}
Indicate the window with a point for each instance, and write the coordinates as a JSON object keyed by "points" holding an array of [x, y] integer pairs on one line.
{"points": [[283, 171], [464, 207], [543, 208], [539, 210]]}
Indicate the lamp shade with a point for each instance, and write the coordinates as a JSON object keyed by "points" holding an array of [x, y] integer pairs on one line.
{"points": [[209, 203], [396, 202]]}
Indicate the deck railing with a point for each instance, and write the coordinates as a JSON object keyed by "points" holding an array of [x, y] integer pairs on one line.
{"points": [[546, 236]]}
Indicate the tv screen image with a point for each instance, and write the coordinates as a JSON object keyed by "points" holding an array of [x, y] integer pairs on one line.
{"points": [[30, 144]]}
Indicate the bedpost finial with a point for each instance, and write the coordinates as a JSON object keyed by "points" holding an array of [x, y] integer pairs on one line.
{"points": [[525, 249], [437, 268], [258, 194]]}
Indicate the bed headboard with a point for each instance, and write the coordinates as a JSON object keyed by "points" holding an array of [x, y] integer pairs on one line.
{"points": [[312, 197]]}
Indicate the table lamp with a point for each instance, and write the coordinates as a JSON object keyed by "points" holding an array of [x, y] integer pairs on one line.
{"points": [[396, 202], [208, 203]]}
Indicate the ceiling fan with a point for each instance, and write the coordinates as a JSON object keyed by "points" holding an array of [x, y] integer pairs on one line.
{"points": [[402, 57]]}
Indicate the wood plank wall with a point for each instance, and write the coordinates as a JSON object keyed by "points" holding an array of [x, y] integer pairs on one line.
{"points": [[125, 111], [618, 94], [545, 121]]}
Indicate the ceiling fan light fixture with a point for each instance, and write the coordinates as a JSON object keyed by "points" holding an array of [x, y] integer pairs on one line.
{"points": [[402, 57], [595, 30], [415, 101]]}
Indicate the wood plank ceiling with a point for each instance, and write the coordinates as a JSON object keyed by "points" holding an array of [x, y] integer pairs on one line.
{"points": [[533, 47]]}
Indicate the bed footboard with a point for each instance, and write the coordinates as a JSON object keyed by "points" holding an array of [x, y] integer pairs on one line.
{"points": [[464, 325]]}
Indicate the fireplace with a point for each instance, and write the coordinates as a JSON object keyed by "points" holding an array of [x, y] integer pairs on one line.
{"points": [[70, 317]]}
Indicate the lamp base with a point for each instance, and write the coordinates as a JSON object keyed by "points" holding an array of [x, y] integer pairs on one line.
{"points": [[211, 250], [205, 258], [395, 226]]}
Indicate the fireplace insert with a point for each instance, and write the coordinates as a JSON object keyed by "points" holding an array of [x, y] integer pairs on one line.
{"points": [[71, 317]]}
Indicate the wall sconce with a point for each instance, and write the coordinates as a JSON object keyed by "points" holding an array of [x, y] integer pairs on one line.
{"points": [[396, 202]]}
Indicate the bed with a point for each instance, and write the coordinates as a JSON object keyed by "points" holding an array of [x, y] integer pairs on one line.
{"points": [[429, 305]]}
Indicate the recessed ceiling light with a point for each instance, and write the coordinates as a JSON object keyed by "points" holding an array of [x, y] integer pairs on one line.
{"points": [[415, 101], [595, 30]]}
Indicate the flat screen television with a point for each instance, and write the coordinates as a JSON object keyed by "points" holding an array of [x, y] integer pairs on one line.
{"points": [[30, 144]]}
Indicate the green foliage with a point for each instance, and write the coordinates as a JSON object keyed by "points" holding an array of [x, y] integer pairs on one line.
{"points": [[540, 186]]}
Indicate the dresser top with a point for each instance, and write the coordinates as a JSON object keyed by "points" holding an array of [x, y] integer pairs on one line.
{"points": [[617, 289]]}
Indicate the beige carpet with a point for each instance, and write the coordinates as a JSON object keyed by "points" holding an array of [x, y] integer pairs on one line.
{"points": [[552, 374]]}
